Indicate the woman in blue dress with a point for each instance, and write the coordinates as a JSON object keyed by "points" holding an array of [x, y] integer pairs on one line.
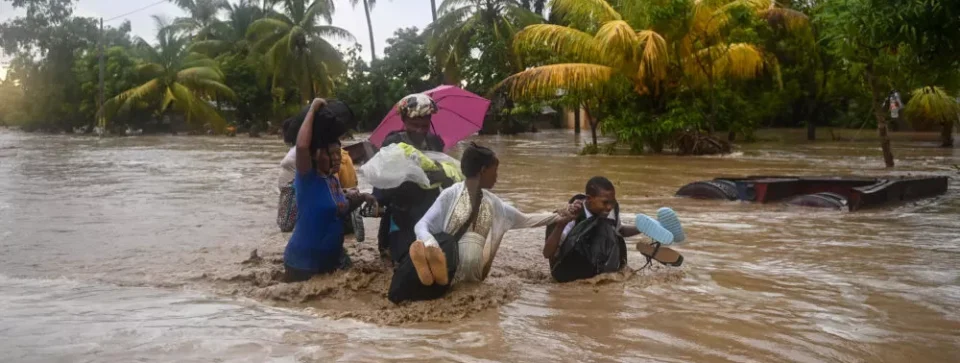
{"points": [[316, 246]]}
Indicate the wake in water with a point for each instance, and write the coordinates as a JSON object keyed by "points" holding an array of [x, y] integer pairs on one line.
{"points": [[361, 292]]}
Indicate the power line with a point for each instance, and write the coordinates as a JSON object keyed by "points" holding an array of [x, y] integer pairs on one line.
{"points": [[136, 11]]}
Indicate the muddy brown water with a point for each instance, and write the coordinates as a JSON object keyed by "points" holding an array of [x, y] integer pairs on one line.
{"points": [[137, 249]]}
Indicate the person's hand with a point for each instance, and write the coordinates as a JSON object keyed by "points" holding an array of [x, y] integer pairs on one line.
{"points": [[353, 194], [317, 104], [570, 212], [369, 198]]}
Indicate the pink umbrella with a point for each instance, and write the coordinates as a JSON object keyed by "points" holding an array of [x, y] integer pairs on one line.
{"points": [[460, 114]]}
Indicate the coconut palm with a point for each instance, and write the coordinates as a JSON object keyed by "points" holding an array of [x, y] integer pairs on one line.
{"points": [[294, 45], [602, 43], [933, 105], [367, 7], [202, 16], [231, 35], [460, 20], [177, 80]]}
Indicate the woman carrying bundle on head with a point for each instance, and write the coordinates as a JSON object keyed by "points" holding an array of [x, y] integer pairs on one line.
{"points": [[287, 206], [459, 235], [316, 246]]}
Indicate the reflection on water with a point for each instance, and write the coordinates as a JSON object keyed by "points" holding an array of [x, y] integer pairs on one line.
{"points": [[99, 238]]}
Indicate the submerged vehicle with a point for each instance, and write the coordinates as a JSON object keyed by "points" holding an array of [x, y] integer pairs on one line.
{"points": [[840, 193]]}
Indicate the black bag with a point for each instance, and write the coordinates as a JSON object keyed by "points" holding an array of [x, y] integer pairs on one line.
{"points": [[334, 119], [594, 246], [406, 286]]}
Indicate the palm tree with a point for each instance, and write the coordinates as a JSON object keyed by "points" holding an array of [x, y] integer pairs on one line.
{"points": [[230, 35], [177, 79], [460, 20], [367, 6], [934, 105], [295, 48], [203, 15], [600, 43]]}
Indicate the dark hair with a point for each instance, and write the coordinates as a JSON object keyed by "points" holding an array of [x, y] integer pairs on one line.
{"points": [[475, 158], [598, 184]]}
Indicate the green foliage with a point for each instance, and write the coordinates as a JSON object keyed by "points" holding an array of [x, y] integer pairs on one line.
{"points": [[372, 90]]}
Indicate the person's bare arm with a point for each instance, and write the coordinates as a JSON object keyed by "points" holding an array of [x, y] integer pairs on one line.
{"points": [[628, 231], [552, 243], [305, 138]]}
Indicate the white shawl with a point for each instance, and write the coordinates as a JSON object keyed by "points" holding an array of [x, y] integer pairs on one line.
{"points": [[505, 218]]}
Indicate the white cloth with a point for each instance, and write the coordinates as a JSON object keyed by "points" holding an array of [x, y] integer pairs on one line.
{"points": [[569, 226], [504, 218], [288, 168]]}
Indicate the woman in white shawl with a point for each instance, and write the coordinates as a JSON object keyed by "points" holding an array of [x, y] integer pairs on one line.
{"points": [[434, 264]]}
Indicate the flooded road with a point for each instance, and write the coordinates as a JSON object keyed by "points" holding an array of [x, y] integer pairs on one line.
{"points": [[106, 246]]}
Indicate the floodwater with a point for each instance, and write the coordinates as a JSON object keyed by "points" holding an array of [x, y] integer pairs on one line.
{"points": [[133, 249]]}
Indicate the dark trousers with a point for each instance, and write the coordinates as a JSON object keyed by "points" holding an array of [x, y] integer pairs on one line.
{"points": [[406, 285]]}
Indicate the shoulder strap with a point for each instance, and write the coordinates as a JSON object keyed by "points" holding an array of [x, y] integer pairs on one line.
{"points": [[474, 212]]}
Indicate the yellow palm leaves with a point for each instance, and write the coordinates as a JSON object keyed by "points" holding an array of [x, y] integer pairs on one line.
{"points": [[931, 105], [547, 81], [598, 42], [615, 49]]}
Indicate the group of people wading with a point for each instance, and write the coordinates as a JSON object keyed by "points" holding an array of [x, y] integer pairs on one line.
{"points": [[445, 233]]}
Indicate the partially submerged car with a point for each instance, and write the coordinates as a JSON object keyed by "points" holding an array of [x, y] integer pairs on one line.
{"points": [[840, 193]]}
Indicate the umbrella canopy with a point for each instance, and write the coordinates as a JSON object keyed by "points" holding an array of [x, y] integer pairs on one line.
{"points": [[460, 114]]}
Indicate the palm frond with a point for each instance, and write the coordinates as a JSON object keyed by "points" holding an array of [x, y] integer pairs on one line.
{"points": [[266, 28], [742, 60], [544, 82], [520, 17], [319, 8], [214, 88], [150, 70], [931, 104], [565, 41], [210, 48], [195, 108], [654, 57], [196, 74], [618, 41], [198, 60], [594, 11], [142, 91], [453, 5], [332, 32]]}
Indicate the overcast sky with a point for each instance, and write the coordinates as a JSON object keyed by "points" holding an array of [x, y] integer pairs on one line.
{"points": [[387, 17]]}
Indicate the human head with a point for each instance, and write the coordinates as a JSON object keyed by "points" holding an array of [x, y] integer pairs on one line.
{"points": [[416, 111], [325, 153], [479, 162], [601, 196]]}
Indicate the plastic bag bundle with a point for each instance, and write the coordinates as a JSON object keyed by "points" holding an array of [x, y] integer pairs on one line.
{"points": [[398, 163]]}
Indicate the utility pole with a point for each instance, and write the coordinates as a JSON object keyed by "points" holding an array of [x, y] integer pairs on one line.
{"points": [[101, 119]]}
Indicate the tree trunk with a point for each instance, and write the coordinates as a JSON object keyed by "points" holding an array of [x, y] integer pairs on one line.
{"points": [[373, 47], [433, 8], [593, 125], [946, 134], [712, 117], [878, 113], [731, 136], [593, 132], [576, 121]]}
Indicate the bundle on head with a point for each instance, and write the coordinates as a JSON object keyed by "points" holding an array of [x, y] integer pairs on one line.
{"points": [[329, 123]]}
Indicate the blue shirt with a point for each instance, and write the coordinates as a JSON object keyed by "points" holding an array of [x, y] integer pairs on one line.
{"points": [[317, 240]]}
